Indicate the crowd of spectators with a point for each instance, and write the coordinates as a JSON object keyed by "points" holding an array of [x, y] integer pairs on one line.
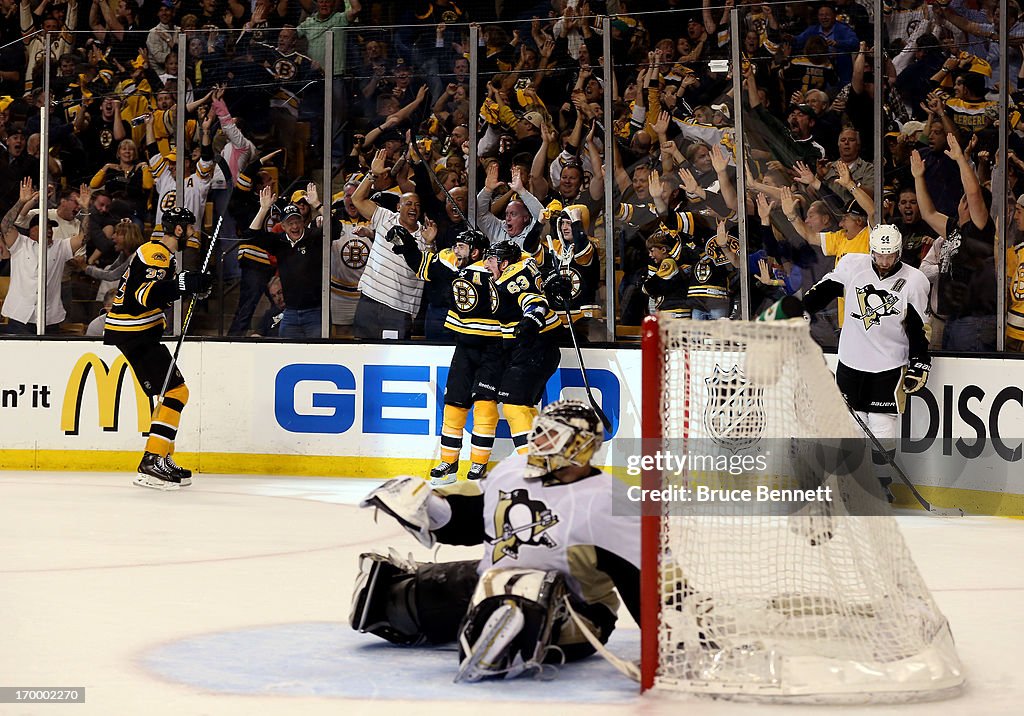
{"points": [[400, 153]]}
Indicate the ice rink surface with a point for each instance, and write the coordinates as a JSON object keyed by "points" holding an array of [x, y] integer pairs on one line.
{"points": [[232, 597]]}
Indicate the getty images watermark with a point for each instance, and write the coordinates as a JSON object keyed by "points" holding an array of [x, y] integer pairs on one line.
{"points": [[736, 478]]}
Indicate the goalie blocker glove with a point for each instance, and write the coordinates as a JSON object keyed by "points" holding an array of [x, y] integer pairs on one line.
{"points": [[194, 282], [915, 377]]}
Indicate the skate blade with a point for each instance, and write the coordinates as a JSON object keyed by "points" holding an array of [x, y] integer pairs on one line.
{"points": [[448, 479], [154, 483]]}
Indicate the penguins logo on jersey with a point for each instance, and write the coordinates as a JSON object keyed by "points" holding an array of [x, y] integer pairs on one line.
{"points": [[874, 303], [464, 295], [520, 521], [354, 254], [735, 416]]}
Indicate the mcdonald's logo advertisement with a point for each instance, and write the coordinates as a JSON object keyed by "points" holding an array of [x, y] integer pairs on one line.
{"points": [[108, 381]]}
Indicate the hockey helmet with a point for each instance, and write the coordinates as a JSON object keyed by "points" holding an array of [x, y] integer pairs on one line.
{"points": [[885, 239], [567, 432], [474, 239], [177, 216], [504, 251]]}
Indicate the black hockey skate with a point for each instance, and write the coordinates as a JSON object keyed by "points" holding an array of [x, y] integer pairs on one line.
{"points": [[184, 474], [445, 473], [155, 474], [477, 471]]}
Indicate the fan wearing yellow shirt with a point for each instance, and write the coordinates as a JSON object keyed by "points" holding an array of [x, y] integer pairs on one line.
{"points": [[852, 236]]}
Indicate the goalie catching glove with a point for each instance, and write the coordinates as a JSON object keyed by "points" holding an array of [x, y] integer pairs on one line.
{"points": [[194, 283], [915, 377], [405, 498]]}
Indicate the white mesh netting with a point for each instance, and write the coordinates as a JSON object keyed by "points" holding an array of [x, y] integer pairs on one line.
{"points": [[825, 604]]}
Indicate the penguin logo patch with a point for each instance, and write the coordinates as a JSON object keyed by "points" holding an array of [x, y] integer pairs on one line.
{"points": [[520, 521], [874, 303]]}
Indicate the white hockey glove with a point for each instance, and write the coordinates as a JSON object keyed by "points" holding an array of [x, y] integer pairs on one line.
{"points": [[405, 498], [915, 377]]}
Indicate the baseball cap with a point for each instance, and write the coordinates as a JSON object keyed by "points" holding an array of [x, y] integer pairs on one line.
{"points": [[1020, 201], [34, 221], [299, 195], [5, 102], [806, 109], [855, 209], [172, 155], [535, 118], [392, 135], [724, 109], [290, 211]]}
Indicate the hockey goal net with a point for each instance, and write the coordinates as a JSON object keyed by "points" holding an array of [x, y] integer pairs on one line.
{"points": [[781, 599]]}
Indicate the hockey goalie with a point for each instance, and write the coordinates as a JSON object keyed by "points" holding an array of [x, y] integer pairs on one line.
{"points": [[553, 557]]}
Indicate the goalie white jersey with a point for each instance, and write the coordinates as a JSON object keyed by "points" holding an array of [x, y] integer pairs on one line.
{"points": [[561, 527], [874, 336]]}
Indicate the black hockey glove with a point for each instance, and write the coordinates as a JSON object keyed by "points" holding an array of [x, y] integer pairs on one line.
{"points": [[194, 282], [530, 325], [915, 377], [399, 238], [558, 288]]}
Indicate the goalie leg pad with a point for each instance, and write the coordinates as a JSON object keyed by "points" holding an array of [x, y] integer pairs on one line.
{"points": [[515, 616], [411, 604], [405, 498], [383, 601]]}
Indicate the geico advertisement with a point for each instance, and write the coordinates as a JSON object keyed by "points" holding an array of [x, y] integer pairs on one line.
{"points": [[375, 392]]}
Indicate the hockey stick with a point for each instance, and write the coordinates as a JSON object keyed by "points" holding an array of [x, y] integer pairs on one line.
{"points": [[564, 258], [430, 170], [188, 314], [929, 507]]}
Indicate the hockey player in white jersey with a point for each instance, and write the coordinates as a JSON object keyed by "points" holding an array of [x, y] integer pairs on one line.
{"points": [[548, 531], [883, 346]]}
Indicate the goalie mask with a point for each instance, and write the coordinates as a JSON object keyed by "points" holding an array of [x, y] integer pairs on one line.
{"points": [[566, 433]]}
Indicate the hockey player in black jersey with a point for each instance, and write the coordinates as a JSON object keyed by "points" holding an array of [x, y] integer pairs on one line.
{"points": [[528, 328], [549, 532], [476, 365], [135, 324]]}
